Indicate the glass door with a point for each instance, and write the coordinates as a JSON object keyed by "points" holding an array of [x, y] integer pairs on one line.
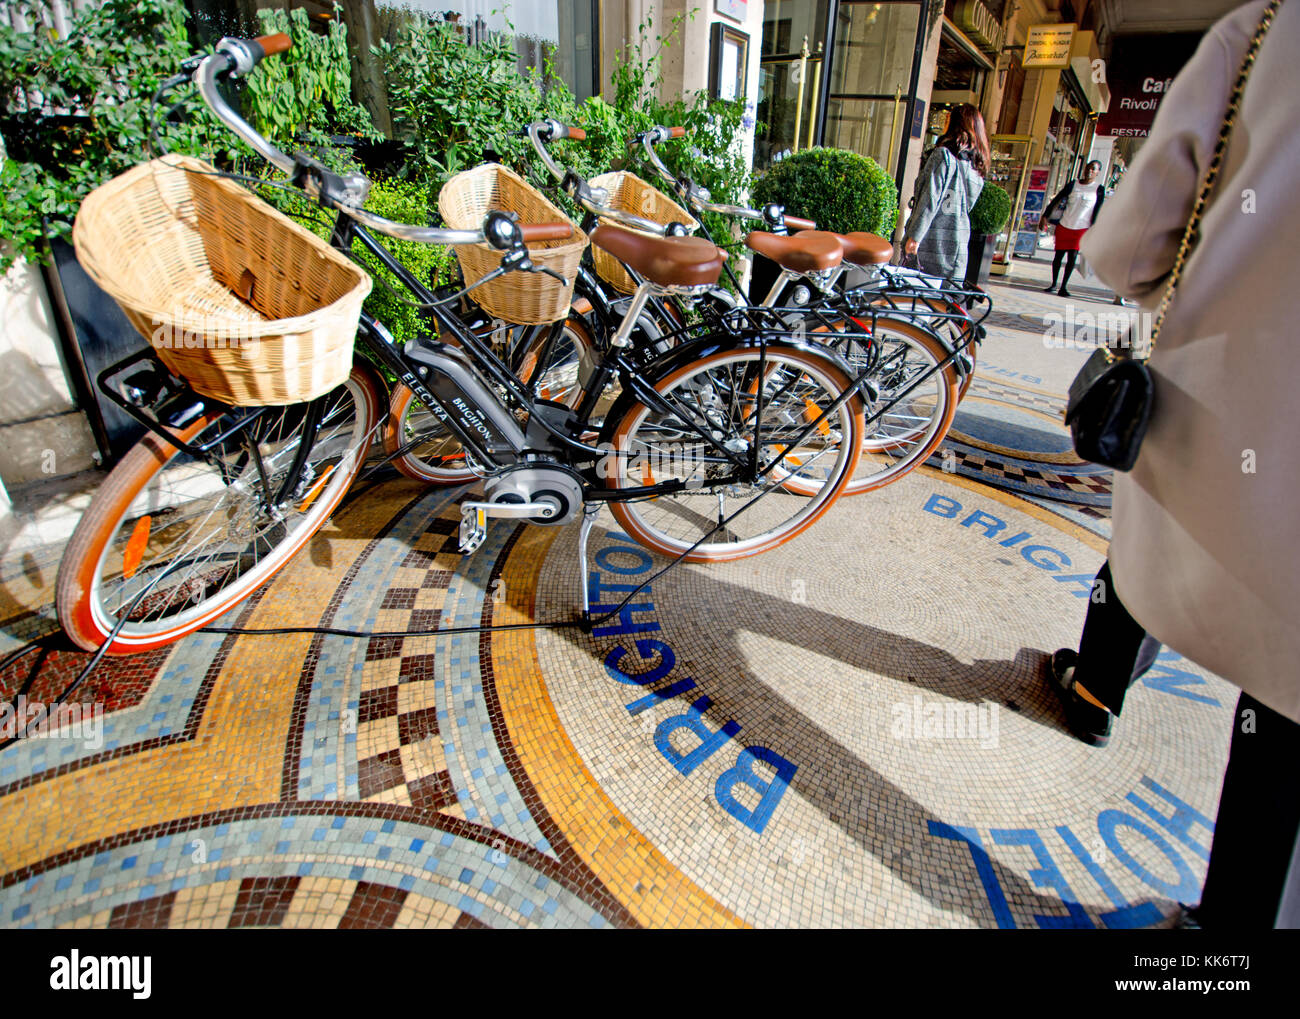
{"points": [[790, 75], [871, 79]]}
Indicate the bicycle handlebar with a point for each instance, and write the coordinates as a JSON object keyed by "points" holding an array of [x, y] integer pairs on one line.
{"points": [[236, 57], [592, 199], [773, 215]]}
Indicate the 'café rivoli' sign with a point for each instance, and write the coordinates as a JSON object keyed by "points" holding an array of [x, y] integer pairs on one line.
{"points": [[1048, 46]]}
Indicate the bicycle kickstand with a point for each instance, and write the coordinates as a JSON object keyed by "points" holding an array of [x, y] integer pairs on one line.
{"points": [[589, 514]]}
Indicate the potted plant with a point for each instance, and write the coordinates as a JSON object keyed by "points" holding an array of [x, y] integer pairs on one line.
{"points": [[987, 218], [840, 191]]}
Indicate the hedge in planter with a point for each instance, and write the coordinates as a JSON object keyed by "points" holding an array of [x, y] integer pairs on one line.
{"points": [[991, 210], [842, 191]]}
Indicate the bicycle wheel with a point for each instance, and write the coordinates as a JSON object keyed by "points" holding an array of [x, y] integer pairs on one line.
{"points": [[718, 393], [171, 542], [911, 415], [952, 322]]}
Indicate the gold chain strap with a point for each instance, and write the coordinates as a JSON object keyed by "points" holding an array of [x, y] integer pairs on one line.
{"points": [[1192, 234]]}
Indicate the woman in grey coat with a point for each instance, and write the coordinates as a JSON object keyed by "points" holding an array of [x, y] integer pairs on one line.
{"points": [[951, 179]]}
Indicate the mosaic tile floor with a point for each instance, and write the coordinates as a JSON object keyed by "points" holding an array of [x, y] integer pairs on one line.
{"points": [[850, 730]]}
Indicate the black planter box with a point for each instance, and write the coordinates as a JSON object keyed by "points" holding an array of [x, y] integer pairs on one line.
{"points": [[93, 334], [979, 259]]}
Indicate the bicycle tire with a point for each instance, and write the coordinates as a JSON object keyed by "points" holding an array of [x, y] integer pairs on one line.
{"points": [[139, 481], [647, 520], [904, 449]]}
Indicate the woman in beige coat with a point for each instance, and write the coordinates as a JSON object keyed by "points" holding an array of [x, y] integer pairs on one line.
{"points": [[1206, 526]]}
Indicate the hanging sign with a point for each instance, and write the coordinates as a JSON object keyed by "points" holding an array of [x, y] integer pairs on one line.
{"points": [[981, 24], [1048, 46]]}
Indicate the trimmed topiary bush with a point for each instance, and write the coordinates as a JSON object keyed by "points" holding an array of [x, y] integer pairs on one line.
{"points": [[842, 191], [991, 210]]}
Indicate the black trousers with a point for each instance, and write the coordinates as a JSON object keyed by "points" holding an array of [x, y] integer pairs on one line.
{"points": [[1114, 650], [1256, 832], [1257, 827]]}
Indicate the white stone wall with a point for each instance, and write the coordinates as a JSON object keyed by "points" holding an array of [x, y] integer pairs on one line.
{"points": [[42, 433]]}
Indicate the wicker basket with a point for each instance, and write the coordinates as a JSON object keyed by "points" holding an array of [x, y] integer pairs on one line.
{"points": [[518, 297], [244, 304], [630, 193]]}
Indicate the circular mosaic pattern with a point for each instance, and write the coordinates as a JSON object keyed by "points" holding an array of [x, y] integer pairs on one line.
{"points": [[916, 769]]}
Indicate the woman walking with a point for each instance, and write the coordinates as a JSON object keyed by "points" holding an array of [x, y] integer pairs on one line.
{"points": [[1082, 200], [951, 179]]}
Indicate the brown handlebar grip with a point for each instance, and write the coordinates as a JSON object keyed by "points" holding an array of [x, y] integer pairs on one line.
{"points": [[798, 223], [576, 133], [546, 231], [273, 44], [677, 132]]}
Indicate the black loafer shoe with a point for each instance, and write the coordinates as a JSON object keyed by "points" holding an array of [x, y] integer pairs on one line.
{"points": [[1086, 721]]}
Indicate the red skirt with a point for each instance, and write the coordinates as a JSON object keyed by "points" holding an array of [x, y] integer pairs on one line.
{"points": [[1067, 239]]}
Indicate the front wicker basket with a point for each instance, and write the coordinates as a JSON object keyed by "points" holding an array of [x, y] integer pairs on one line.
{"points": [[630, 193], [237, 299], [518, 297]]}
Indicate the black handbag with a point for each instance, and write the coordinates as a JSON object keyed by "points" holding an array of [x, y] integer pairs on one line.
{"points": [[1109, 409], [1057, 209], [1112, 397]]}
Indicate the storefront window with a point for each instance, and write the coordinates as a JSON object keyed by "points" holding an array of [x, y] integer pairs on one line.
{"points": [[789, 82], [871, 79], [865, 126]]}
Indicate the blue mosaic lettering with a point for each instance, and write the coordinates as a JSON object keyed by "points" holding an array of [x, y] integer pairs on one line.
{"points": [[662, 694], [1084, 580], [1165, 678], [1187, 888], [1127, 916], [990, 523], [626, 624], [1046, 875], [1179, 823], [942, 506], [1029, 550], [596, 589], [692, 719], [983, 867], [743, 774], [603, 557], [1015, 539], [647, 649]]}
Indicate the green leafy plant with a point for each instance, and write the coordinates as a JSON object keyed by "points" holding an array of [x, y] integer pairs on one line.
{"points": [[305, 94], [842, 191], [74, 111], [451, 101], [991, 210], [406, 202]]}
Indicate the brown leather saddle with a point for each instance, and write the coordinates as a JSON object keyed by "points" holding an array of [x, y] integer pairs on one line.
{"points": [[666, 261]]}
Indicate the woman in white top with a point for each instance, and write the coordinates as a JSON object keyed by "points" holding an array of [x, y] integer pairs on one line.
{"points": [[1082, 200]]}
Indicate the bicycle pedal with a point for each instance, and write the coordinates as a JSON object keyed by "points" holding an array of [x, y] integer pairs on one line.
{"points": [[473, 528]]}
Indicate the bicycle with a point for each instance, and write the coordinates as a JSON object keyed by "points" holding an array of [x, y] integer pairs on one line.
{"points": [[215, 499]]}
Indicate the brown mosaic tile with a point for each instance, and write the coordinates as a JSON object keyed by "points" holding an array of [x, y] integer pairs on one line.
{"points": [[147, 913], [263, 901], [432, 792], [373, 907]]}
